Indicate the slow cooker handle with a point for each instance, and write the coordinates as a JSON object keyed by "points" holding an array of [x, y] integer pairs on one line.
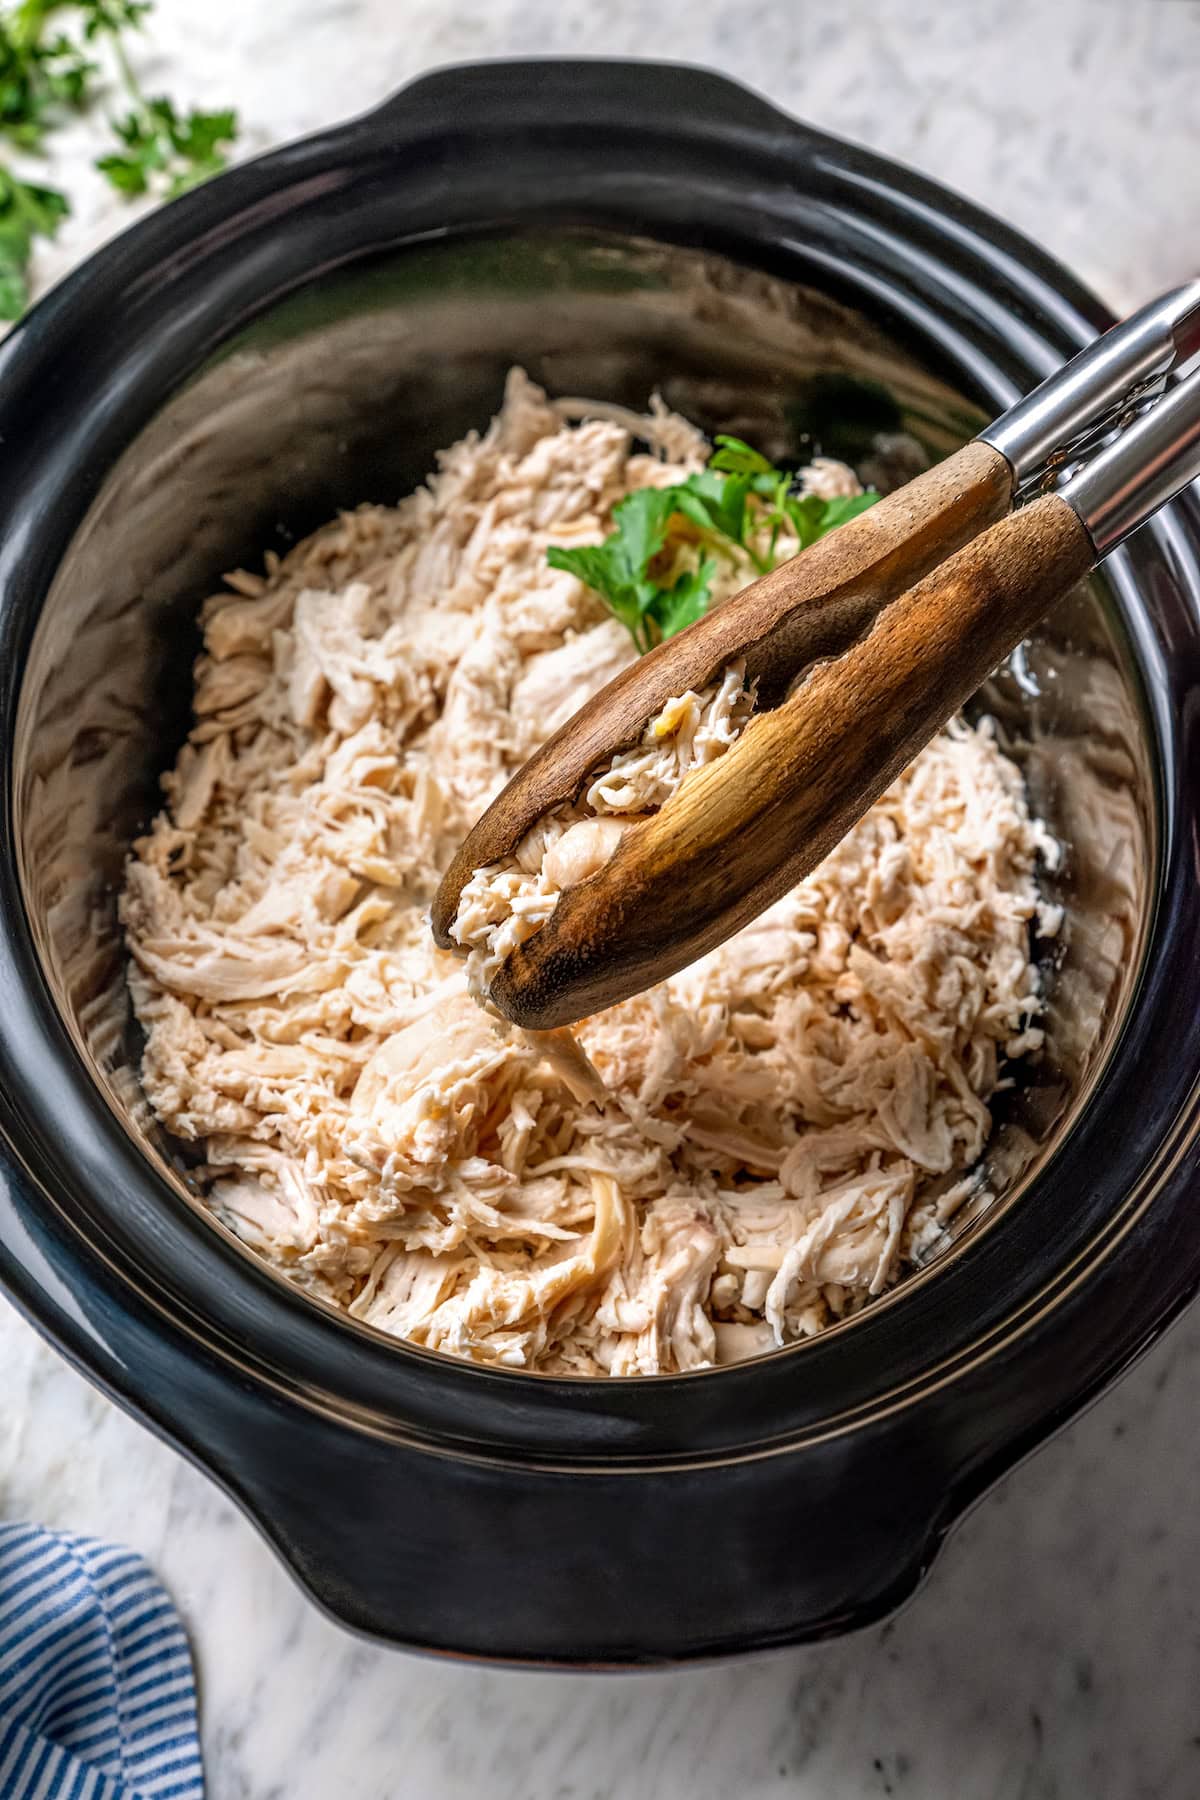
{"points": [[542, 92]]}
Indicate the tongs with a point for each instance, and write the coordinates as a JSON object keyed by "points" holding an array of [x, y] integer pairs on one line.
{"points": [[862, 647]]}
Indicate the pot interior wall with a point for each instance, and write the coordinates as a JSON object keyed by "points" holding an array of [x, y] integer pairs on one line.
{"points": [[344, 394]]}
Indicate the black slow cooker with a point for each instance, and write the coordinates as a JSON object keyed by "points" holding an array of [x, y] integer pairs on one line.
{"points": [[302, 334]]}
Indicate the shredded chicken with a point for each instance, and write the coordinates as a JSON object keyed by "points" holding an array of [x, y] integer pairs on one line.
{"points": [[503, 904], [733, 1160]]}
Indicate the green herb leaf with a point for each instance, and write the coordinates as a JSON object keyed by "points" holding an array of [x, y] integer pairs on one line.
{"points": [[44, 77], [26, 212], [846, 507], [641, 521], [14, 289], [109, 18], [598, 570], [167, 150], [735, 457], [125, 173], [686, 600], [805, 514], [38, 80], [644, 570], [618, 568], [716, 503]]}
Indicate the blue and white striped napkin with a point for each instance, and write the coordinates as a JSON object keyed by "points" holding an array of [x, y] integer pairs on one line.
{"points": [[97, 1695]]}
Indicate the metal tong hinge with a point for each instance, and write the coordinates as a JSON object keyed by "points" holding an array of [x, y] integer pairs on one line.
{"points": [[1087, 429]]}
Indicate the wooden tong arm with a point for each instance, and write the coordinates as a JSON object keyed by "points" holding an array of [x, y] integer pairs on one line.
{"points": [[746, 828], [812, 606]]}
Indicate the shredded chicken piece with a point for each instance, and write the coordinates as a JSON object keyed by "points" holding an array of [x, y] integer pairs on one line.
{"points": [[737, 1158], [504, 904]]}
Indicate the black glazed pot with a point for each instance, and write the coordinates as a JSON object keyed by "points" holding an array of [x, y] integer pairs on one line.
{"points": [[302, 334]]}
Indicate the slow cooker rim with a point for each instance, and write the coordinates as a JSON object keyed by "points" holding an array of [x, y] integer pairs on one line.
{"points": [[882, 179]]}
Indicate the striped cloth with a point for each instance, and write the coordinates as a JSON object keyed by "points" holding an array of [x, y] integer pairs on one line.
{"points": [[97, 1697]]}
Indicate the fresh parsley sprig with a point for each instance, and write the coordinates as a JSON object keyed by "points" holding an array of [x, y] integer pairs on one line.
{"points": [[40, 76], [656, 568], [26, 212], [162, 150], [650, 607], [45, 75], [165, 149]]}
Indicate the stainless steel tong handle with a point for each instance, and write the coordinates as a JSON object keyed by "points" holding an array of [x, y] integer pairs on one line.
{"points": [[1116, 409], [1100, 390], [1143, 468]]}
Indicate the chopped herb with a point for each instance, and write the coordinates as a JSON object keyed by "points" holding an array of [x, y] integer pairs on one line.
{"points": [[26, 212], [686, 600], [812, 518], [162, 148], [619, 568], [736, 457], [44, 77], [716, 503], [112, 17], [39, 79], [655, 570]]}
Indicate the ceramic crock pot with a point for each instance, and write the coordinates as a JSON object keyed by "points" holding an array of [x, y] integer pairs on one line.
{"points": [[302, 334]]}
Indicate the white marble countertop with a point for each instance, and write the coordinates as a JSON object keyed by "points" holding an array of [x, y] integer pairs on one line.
{"points": [[1055, 1651]]}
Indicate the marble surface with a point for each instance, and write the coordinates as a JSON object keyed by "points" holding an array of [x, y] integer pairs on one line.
{"points": [[1054, 1652]]}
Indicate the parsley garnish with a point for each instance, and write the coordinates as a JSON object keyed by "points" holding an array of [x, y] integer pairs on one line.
{"points": [[44, 76], [26, 212], [655, 570], [39, 75], [161, 146]]}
